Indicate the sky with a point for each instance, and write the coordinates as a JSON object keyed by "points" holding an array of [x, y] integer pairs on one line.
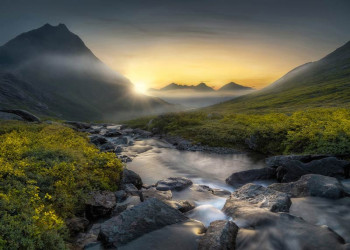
{"points": [[156, 42]]}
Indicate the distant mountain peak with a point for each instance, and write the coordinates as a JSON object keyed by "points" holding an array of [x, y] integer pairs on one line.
{"points": [[232, 86], [174, 86]]}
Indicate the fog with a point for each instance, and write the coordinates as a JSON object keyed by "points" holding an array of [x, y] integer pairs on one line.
{"points": [[195, 99]]}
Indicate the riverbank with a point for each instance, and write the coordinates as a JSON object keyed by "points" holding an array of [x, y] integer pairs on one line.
{"points": [[313, 131]]}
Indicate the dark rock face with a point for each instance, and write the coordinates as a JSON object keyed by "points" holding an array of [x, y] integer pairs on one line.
{"points": [[107, 147], [100, 204], [173, 183], [113, 133], [181, 205], [130, 177], [258, 196], [76, 225], [220, 235], [280, 160], [25, 115], [244, 177], [141, 219], [126, 204], [121, 195], [98, 140], [292, 170], [312, 185], [88, 239]]}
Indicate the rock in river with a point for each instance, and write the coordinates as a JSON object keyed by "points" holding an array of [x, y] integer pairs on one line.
{"points": [[220, 235], [259, 196], [146, 217], [312, 185], [100, 204], [174, 183], [130, 177], [244, 177]]}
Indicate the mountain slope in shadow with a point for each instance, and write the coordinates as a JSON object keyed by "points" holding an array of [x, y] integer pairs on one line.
{"points": [[50, 71]]}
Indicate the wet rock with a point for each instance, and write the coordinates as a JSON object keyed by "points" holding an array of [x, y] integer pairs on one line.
{"points": [[330, 166], [25, 115], [142, 133], [220, 235], [312, 185], [244, 177], [131, 189], [173, 183], [126, 204], [120, 195], [290, 171], [214, 191], [221, 192], [258, 196], [121, 140], [152, 192], [124, 158], [98, 140], [113, 133], [146, 217], [100, 204], [76, 225], [275, 231], [107, 147], [130, 177], [181, 205], [118, 149], [89, 239], [280, 160], [78, 125]]}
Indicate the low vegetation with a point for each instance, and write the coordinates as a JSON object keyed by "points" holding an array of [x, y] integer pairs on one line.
{"points": [[46, 173], [316, 131]]}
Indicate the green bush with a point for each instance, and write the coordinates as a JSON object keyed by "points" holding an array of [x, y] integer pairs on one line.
{"points": [[46, 173]]}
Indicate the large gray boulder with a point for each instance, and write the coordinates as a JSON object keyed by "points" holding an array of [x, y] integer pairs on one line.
{"points": [[258, 196], [173, 183], [146, 217], [280, 160], [100, 204], [291, 170], [130, 177], [244, 177], [312, 185], [25, 115], [220, 235]]}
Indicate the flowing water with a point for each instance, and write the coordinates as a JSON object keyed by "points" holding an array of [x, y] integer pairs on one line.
{"points": [[154, 160]]}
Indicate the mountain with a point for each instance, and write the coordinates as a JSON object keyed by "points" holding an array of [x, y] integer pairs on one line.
{"points": [[324, 83], [50, 71], [202, 87], [232, 86]]}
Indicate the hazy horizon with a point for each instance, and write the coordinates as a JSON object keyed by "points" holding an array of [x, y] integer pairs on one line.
{"points": [[187, 42]]}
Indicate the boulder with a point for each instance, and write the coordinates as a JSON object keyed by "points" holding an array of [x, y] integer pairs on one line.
{"points": [[280, 160], [88, 239], [174, 183], [107, 147], [154, 193], [275, 231], [146, 217], [215, 191], [220, 235], [290, 171], [100, 204], [312, 185], [98, 140], [244, 177], [130, 177], [126, 204], [76, 225], [330, 166], [113, 133], [121, 195], [25, 115], [221, 192], [130, 189], [259, 196], [181, 205]]}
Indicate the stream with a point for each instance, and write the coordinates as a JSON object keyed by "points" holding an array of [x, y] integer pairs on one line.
{"points": [[154, 160]]}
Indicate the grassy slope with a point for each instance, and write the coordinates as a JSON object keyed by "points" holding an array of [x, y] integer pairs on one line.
{"points": [[46, 174], [306, 111]]}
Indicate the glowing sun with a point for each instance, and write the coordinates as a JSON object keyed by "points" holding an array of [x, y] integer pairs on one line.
{"points": [[140, 87]]}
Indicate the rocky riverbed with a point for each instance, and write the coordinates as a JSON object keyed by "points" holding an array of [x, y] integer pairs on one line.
{"points": [[181, 197]]}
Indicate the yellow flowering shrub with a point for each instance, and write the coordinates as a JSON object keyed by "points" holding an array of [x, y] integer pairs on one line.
{"points": [[46, 173]]}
